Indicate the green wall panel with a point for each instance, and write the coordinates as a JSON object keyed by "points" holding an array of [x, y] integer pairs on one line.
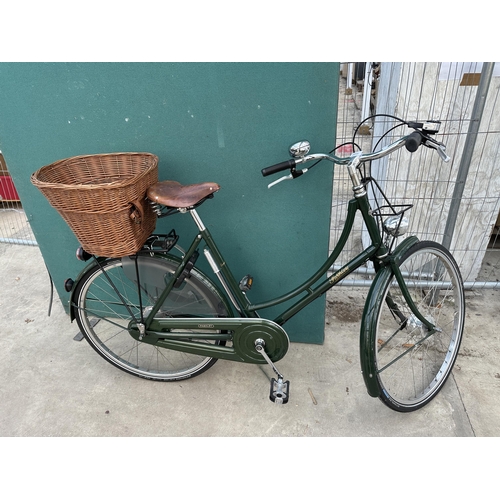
{"points": [[218, 122]]}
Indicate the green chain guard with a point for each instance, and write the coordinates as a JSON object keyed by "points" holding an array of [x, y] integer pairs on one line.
{"points": [[181, 334]]}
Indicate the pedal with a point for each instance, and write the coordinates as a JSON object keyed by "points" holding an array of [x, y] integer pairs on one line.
{"points": [[246, 283], [279, 391]]}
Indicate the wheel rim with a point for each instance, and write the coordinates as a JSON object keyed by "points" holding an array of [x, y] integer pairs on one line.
{"points": [[413, 363], [104, 320]]}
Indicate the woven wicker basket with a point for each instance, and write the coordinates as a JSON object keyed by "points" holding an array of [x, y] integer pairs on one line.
{"points": [[102, 199]]}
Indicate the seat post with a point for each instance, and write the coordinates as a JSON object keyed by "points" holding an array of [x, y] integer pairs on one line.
{"points": [[197, 219]]}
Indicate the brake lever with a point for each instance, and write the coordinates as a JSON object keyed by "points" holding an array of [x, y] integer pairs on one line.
{"points": [[442, 153], [285, 178], [292, 175], [440, 148]]}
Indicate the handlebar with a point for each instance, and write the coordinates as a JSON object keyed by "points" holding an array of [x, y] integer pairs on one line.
{"points": [[279, 167], [412, 142]]}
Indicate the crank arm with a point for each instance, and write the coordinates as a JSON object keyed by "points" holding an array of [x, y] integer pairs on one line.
{"points": [[259, 347]]}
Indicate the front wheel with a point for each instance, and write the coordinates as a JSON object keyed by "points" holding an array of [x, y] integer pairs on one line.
{"points": [[412, 363], [106, 300]]}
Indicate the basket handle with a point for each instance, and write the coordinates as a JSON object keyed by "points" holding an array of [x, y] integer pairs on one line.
{"points": [[137, 211]]}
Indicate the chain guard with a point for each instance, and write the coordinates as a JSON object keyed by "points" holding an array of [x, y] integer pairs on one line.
{"points": [[187, 335]]}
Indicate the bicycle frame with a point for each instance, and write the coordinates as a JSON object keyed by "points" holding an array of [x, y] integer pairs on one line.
{"points": [[240, 300], [159, 331]]}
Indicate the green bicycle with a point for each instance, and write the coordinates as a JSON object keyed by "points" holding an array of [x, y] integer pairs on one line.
{"points": [[157, 316]]}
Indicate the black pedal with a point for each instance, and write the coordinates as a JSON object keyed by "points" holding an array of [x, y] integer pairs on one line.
{"points": [[246, 283], [280, 391]]}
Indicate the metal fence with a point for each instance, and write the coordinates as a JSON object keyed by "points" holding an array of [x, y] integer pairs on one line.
{"points": [[455, 203], [14, 225]]}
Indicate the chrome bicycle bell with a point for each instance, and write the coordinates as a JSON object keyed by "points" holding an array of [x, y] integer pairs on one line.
{"points": [[299, 149], [396, 225]]}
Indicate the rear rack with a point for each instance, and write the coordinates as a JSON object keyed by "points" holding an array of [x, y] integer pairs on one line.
{"points": [[162, 243]]}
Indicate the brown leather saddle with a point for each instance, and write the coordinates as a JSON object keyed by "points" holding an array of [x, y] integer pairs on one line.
{"points": [[175, 195]]}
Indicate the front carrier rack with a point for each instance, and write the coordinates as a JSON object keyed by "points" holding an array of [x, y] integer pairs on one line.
{"points": [[393, 221]]}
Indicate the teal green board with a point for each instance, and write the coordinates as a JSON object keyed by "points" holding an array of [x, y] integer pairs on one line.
{"points": [[219, 122]]}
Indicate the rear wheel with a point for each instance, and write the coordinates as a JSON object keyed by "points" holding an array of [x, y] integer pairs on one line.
{"points": [[106, 300], [411, 362]]}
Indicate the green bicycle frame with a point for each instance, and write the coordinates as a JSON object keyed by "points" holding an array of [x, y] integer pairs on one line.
{"points": [[240, 300]]}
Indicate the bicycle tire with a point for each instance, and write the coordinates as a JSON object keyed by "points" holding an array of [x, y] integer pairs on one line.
{"points": [[412, 366], [103, 317]]}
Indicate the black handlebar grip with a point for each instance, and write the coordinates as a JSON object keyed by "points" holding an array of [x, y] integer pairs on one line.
{"points": [[413, 141], [278, 167]]}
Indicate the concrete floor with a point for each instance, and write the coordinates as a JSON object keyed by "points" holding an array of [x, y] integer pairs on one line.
{"points": [[53, 385]]}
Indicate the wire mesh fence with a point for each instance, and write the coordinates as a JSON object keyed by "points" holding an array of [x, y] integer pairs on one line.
{"points": [[455, 203], [14, 225]]}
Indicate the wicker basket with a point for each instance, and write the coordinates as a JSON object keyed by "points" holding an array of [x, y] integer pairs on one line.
{"points": [[102, 199]]}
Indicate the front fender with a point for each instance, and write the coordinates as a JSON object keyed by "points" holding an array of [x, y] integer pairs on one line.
{"points": [[370, 316]]}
